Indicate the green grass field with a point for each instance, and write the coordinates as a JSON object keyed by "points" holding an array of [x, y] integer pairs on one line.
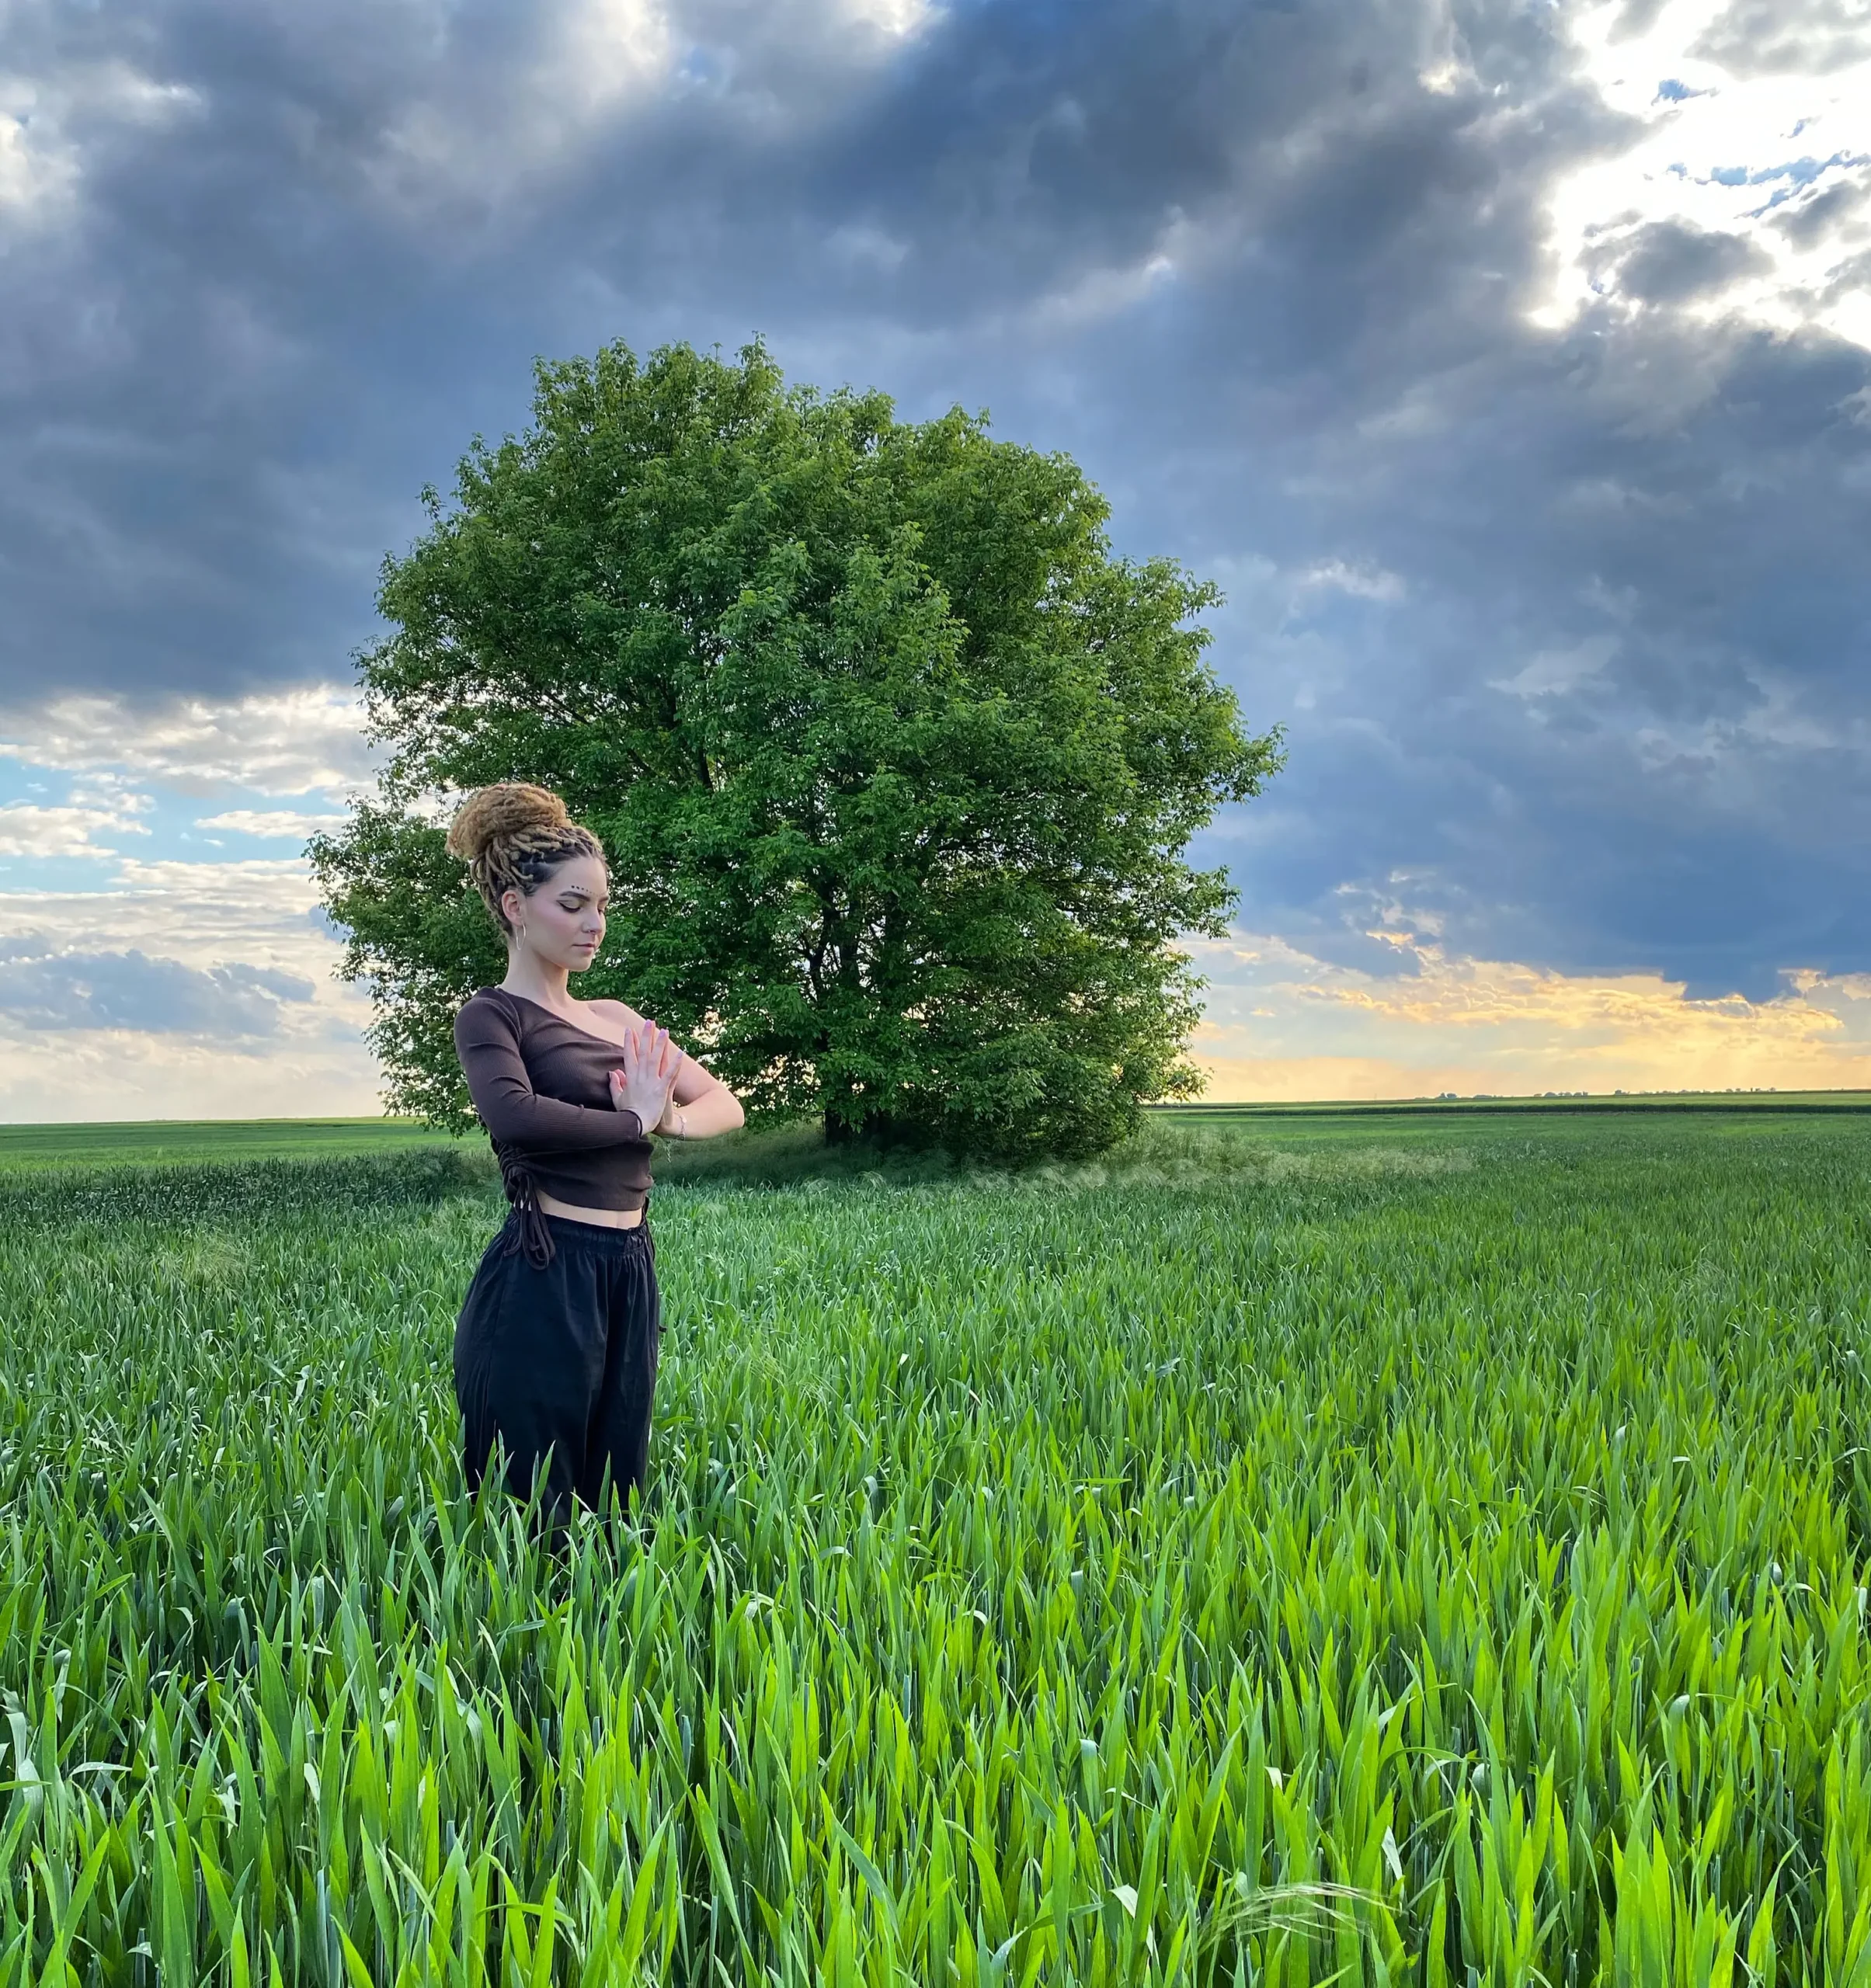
{"points": [[1379, 1549], [206, 1140]]}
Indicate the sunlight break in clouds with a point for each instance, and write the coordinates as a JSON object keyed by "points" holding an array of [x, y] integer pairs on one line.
{"points": [[1748, 193], [1285, 1025], [898, 18], [486, 136], [594, 63], [37, 170], [41, 161]]}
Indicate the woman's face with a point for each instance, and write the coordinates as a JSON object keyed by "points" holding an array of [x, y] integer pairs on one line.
{"points": [[562, 923]]}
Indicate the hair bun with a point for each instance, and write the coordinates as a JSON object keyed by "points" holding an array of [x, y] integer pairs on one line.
{"points": [[510, 807]]}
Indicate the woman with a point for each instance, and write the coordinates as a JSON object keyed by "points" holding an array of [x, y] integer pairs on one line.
{"points": [[555, 1351]]}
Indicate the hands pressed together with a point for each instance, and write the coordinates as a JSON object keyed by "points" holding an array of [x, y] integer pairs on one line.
{"points": [[647, 1082]]}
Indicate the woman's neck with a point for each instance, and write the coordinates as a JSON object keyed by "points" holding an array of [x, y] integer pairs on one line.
{"points": [[527, 975]]}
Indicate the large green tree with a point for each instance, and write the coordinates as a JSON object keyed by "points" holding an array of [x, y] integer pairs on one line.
{"points": [[896, 766]]}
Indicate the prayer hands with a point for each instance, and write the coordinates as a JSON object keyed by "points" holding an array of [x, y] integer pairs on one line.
{"points": [[643, 1085]]}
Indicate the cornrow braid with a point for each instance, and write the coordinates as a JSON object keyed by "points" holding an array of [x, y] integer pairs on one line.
{"points": [[512, 836]]}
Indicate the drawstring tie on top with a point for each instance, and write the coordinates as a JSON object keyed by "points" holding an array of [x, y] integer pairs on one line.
{"points": [[530, 1232]]}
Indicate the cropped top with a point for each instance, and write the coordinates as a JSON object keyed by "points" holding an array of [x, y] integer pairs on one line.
{"points": [[541, 1086]]}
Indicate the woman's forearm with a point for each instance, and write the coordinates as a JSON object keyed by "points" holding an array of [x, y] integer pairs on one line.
{"points": [[716, 1110]]}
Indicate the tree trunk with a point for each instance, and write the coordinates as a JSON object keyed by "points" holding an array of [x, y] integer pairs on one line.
{"points": [[877, 1129]]}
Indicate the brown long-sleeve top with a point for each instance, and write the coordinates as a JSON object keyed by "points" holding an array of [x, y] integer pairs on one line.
{"points": [[542, 1087]]}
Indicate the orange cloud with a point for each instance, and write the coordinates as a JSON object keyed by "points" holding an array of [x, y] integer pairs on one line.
{"points": [[1285, 1025]]}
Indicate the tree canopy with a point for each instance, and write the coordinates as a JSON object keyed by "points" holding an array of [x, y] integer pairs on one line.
{"points": [[895, 764]]}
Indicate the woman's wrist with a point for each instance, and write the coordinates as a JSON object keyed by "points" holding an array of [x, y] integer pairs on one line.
{"points": [[673, 1124]]}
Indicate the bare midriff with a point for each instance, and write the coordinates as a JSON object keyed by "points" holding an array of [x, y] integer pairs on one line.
{"points": [[600, 1218]]}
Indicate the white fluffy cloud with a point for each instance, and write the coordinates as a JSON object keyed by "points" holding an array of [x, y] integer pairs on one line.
{"points": [[184, 990], [30, 830], [119, 1075], [261, 912], [283, 824], [176, 988], [305, 740]]}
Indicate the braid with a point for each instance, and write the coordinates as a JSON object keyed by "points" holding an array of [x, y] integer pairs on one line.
{"points": [[511, 837]]}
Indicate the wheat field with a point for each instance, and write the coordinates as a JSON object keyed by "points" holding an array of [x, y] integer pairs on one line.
{"points": [[1390, 1552]]}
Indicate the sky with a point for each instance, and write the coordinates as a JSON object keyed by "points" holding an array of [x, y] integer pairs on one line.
{"points": [[1507, 364]]}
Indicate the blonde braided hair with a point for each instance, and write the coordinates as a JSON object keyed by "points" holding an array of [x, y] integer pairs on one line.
{"points": [[512, 836]]}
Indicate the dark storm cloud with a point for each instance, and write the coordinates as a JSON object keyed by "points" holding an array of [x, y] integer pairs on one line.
{"points": [[1809, 222], [306, 252], [1664, 261], [43, 987], [1617, 718], [1345, 379], [1567, 626]]}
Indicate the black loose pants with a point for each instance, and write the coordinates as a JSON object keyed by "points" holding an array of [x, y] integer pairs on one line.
{"points": [[560, 1362]]}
